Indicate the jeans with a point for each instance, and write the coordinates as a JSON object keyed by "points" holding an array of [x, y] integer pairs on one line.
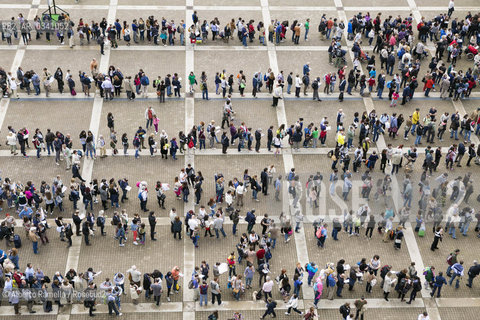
{"points": [[248, 282], [334, 234], [149, 122], [452, 231], [289, 88], [309, 279], [112, 308], [203, 298], [35, 247], [464, 228], [418, 139], [454, 132], [435, 288], [457, 284], [221, 230]]}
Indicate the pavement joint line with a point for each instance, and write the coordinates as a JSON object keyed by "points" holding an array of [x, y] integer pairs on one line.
{"points": [[434, 96], [92, 47], [127, 308], [218, 152], [458, 104], [189, 158], [74, 251], [416, 13], [288, 163]]}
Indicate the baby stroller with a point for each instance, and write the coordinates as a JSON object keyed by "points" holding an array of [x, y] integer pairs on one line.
{"points": [[471, 51]]}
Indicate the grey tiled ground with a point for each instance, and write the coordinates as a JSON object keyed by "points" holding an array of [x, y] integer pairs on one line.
{"points": [[454, 313], [105, 250], [146, 169], [71, 117], [129, 115], [135, 316], [234, 166], [255, 113]]}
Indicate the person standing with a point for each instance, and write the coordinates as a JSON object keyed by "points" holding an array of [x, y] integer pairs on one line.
{"points": [[216, 292], [34, 237], [438, 237], [157, 291], [277, 94], [112, 307], [90, 294], [345, 310], [86, 232], [360, 305], [152, 220]]}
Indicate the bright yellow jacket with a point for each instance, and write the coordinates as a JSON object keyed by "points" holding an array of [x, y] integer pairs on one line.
{"points": [[415, 117]]}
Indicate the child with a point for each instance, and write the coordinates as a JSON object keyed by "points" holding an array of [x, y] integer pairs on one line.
{"points": [[394, 99]]}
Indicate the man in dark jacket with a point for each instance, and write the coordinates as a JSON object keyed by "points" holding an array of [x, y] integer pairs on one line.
{"points": [[77, 221], [345, 310], [258, 138], [86, 232], [250, 219], [271, 305], [473, 272], [225, 143], [264, 181], [152, 220]]}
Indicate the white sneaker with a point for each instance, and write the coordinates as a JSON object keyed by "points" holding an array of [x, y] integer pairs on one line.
{"points": [[122, 245], [135, 243], [168, 299], [287, 313]]}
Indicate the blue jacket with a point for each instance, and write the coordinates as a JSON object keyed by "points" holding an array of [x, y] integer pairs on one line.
{"points": [[250, 218], [330, 281], [311, 269], [439, 281]]}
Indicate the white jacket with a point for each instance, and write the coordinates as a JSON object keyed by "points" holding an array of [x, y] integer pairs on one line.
{"points": [[11, 139], [292, 303]]}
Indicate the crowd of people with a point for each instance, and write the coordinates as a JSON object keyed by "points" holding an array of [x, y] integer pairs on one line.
{"points": [[443, 202]]}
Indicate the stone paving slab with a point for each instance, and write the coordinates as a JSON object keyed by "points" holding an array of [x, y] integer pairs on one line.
{"points": [[67, 117], [146, 169], [314, 112], [408, 109], [135, 316], [329, 3], [212, 62], [153, 63], [353, 250], [288, 61], [232, 167], [104, 252], [454, 313], [374, 3], [7, 56], [254, 113], [129, 115], [154, 2], [75, 61]]}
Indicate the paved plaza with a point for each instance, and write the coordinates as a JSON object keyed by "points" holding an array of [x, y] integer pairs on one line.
{"points": [[72, 114]]}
